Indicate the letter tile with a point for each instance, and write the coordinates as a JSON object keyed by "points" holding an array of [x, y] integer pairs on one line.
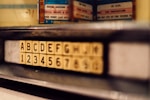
{"points": [[29, 45], [50, 47], [67, 48], [86, 49], [76, 48], [22, 46], [42, 46], [35, 46], [58, 48], [97, 49]]}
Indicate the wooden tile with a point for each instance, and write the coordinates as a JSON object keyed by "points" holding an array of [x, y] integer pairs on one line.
{"points": [[22, 58], [29, 45], [43, 60], [76, 63], [42, 47], [35, 45], [50, 47], [97, 65], [59, 62], [67, 62], [86, 65], [58, 48], [50, 61], [67, 48], [97, 49], [76, 48], [86, 49], [28, 58], [22, 46], [36, 59]]}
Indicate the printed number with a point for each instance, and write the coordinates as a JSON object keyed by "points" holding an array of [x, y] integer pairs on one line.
{"points": [[50, 60], [28, 59], [42, 60], [67, 62], [95, 66], [22, 60], [35, 60], [58, 63], [85, 64], [76, 64]]}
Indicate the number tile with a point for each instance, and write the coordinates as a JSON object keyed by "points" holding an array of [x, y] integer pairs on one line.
{"points": [[97, 65], [43, 60], [86, 65], [86, 49], [67, 62], [22, 58], [28, 58], [50, 61], [59, 62], [36, 59], [76, 63]]}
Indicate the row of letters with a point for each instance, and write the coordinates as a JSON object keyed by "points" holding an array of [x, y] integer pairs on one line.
{"points": [[62, 48]]}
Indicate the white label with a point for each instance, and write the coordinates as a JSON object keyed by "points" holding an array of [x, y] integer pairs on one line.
{"points": [[130, 60], [82, 10], [56, 12], [122, 10]]}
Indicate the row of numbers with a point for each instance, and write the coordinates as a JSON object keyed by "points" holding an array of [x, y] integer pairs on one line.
{"points": [[80, 64]]}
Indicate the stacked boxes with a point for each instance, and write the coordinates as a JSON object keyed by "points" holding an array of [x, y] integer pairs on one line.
{"points": [[56, 11], [64, 11]]}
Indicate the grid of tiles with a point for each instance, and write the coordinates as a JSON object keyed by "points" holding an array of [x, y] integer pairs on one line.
{"points": [[84, 57]]}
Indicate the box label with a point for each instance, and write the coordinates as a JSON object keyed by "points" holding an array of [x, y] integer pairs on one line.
{"points": [[82, 10], [56, 12], [123, 10]]}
